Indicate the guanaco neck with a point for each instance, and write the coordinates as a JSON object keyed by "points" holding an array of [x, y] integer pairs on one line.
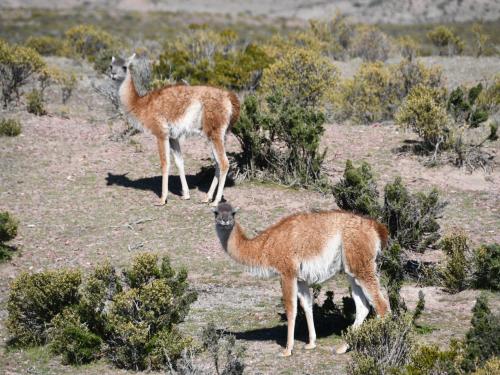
{"points": [[128, 94], [241, 248]]}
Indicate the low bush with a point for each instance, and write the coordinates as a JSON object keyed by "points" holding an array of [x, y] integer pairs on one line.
{"points": [[35, 103], [302, 78], [456, 274], [393, 271], [357, 191], [8, 231], [280, 141], [131, 320], [487, 267], [10, 127], [445, 40], [464, 108], [47, 45], [480, 39], [423, 112], [380, 346], [35, 299], [371, 44], [482, 341], [408, 74], [491, 367], [17, 65], [410, 217], [431, 360]]}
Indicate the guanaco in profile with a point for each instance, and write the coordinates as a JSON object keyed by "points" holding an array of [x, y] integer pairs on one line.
{"points": [[309, 248], [177, 110]]}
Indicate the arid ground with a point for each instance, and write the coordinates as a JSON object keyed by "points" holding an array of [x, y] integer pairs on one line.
{"points": [[82, 197]]}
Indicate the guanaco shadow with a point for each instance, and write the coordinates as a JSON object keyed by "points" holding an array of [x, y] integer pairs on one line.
{"points": [[413, 147], [329, 319], [200, 181]]}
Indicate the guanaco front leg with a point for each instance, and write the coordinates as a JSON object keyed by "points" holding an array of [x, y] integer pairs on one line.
{"points": [[164, 151], [179, 162], [289, 288]]}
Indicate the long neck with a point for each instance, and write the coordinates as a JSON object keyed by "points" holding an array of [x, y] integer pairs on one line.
{"points": [[128, 94], [240, 247]]}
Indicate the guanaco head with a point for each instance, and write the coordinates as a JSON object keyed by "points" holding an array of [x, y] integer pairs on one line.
{"points": [[225, 215], [118, 67]]}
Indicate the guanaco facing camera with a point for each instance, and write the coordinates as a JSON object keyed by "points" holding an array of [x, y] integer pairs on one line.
{"points": [[309, 248]]}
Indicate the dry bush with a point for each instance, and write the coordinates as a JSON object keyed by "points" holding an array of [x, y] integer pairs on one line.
{"points": [[371, 44], [47, 45], [408, 47], [35, 103], [93, 44], [424, 112], [303, 77], [369, 96], [446, 41], [17, 65], [380, 346]]}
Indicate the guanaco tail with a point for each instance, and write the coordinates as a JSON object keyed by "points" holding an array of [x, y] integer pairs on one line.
{"points": [[174, 111], [309, 248]]}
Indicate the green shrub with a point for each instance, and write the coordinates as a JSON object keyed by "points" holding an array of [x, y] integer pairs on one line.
{"points": [[423, 112], [47, 45], [357, 191], [408, 74], [301, 77], [10, 127], [93, 44], [487, 267], [17, 65], [393, 271], [371, 44], [482, 341], [464, 109], [446, 41], [456, 272], [35, 299], [71, 338], [281, 141], [8, 231], [411, 218], [380, 345], [35, 103]]}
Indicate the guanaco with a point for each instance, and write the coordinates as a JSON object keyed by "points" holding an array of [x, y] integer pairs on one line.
{"points": [[309, 248], [174, 111]]}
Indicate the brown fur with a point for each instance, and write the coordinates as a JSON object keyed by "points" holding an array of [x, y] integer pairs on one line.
{"points": [[219, 110], [284, 246]]}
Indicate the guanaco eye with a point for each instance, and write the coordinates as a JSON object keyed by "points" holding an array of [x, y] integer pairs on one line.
{"points": [[111, 67], [124, 68]]}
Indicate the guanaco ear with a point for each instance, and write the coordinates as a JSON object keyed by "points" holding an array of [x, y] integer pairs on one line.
{"points": [[130, 59], [112, 59]]}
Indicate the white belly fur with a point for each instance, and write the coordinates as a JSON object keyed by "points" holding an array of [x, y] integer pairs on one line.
{"points": [[189, 123], [325, 265]]}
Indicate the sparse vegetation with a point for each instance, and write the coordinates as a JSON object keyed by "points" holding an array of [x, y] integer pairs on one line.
{"points": [[47, 45], [35, 103], [371, 44], [446, 41]]}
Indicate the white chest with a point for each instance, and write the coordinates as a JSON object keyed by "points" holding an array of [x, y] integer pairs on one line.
{"points": [[325, 265], [189, 123]]}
